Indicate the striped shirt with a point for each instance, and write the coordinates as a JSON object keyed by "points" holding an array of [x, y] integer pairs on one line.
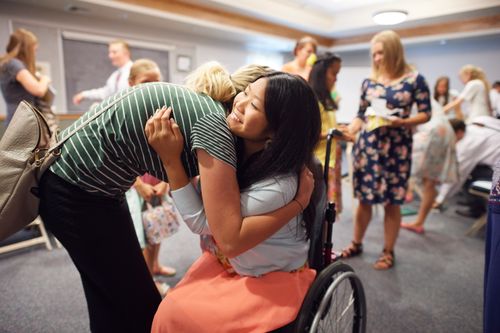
{"points": [[108, 154]]}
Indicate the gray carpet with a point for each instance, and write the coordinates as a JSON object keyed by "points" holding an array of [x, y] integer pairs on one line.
{"points": [[436, 285]]}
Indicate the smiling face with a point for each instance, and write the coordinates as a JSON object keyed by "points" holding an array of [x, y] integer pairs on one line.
{"points": [[247, 119]]}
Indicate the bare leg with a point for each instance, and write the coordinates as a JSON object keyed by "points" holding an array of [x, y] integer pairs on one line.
{"points": [[157, 267], [429, 194], [363, 217], [148, 257], [392, 222], [156, 253]]}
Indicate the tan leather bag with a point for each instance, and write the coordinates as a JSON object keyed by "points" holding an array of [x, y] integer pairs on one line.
{"points": [[27, 149], [24, 156]]}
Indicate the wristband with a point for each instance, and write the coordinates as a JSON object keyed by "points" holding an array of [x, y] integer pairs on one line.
{"points": [[300, 205]]}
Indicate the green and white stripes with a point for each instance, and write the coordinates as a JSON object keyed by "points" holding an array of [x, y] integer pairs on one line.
{"points": [[112, 150]]}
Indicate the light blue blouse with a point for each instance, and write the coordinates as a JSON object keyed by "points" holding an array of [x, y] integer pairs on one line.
{"points": [[286, 250]]}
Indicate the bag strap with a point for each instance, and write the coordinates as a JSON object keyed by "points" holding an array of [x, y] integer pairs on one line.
{"points": [[82, 125]]}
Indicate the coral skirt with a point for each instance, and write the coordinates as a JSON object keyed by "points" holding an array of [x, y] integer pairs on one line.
{"points": [[208, 299]]}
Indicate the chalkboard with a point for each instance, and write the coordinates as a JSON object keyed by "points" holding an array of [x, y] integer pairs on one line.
{"points": [[87, 66]]}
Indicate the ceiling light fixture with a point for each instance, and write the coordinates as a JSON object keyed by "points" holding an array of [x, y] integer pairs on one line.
{"points": [[389, 17]]}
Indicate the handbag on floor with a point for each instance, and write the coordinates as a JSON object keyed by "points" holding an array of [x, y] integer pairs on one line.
{"points": [[159, 219], [27, 148]]}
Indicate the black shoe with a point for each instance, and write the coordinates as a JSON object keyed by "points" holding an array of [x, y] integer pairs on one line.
{"points": [[470, 212]]}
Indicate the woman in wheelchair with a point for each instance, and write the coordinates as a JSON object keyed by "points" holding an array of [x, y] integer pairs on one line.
{"points": [[260, 286]]}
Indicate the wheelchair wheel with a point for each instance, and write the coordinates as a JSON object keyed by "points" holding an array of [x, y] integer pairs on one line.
{"points": [[335, 303]]}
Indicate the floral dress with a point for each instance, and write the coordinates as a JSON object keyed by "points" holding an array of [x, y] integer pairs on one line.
{"points": [[382, 157], [434, 155]]}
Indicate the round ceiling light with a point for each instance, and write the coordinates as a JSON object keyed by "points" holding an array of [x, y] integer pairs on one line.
{"points": [[389, 17]]}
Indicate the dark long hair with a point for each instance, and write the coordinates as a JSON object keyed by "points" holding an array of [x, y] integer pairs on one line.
{"points": [[293, 117], [447, 93], [317, 79]]}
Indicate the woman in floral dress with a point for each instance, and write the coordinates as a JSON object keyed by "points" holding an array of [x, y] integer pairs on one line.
{"points": [[382, 154], [434, 160]]}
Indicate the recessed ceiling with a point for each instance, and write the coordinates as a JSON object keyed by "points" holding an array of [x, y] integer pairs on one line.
{"points": [[328, 19]]}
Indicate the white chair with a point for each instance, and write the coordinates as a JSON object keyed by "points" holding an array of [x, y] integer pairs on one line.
{"points": [[480, 188], [43, 238]]}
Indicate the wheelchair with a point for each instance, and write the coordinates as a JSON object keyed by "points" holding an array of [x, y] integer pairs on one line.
{"points": [[335, 302]]}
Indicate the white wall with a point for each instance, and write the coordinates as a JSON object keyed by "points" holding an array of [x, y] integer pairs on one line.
{"points": [[432, 59], [50, 23]]}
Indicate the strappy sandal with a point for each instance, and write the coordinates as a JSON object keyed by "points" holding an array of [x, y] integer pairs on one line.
{"points": [[354, 249], [385, 261]]}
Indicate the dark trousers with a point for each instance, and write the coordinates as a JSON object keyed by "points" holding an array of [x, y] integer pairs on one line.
{"points": [[492, 271], [99, 236]]}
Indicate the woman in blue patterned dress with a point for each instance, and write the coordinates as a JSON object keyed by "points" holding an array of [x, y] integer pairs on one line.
{"points": [[382, 154]]}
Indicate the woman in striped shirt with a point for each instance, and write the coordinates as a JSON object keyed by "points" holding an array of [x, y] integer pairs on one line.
{"points": [[82, 194], [278, 124]]}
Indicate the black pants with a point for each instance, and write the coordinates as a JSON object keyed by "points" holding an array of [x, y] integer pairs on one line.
{"points": [[99, 236]]}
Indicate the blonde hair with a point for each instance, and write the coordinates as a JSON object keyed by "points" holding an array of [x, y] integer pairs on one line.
{"points": [[245, 75], [142, 67], [21, 46], [212, 79], [477, 73], [122, 42], [394, 56], [303, 42]]}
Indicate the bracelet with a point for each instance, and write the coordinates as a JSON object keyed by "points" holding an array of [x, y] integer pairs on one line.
{"points": [[300, 205]]}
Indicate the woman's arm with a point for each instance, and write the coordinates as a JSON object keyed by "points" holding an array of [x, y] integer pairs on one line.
{"points": [[458, 112], [355, 126], [31, 84], [454, 104], [220, 191], [221, 199], [417, 119], [421, 95]]}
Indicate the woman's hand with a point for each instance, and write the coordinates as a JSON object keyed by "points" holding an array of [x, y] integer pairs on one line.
{"points": [[165, 136], [306, 187], [161, 188], [146, 191], [397, 121], [346, 134]]}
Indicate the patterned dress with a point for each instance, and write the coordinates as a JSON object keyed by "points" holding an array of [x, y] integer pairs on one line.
{"points": [[434, 155], [492, 258], [382, 157]]}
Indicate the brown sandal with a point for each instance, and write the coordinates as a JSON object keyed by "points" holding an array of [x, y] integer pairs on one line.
{"points": [[385, 261], [354, 249]]}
